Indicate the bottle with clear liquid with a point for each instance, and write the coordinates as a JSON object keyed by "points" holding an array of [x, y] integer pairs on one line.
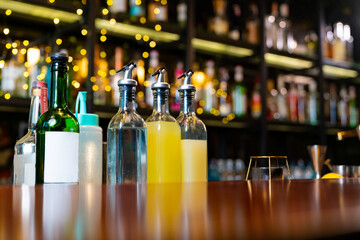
{"points": [[163, 136], [126, 137], [193, 135], [343, 107], [24, 158], [353, 114], [312, 104], [57, 132], [239, 93]]}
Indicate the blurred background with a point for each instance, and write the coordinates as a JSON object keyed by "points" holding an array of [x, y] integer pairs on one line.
{"points": [[272, 76]]}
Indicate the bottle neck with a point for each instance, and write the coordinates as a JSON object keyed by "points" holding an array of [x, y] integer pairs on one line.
{"points": [[161, 103], [58, 94], [127, 98], [38, 106], [187, 104]]}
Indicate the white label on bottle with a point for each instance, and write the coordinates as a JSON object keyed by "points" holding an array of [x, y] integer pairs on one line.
{"points": [[24, 169], [61, 157]]}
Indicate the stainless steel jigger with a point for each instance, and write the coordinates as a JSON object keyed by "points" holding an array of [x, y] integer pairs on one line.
{"points": [[317, 154]]}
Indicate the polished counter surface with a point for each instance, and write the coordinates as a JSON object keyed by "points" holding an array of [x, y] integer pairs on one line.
{"points": [[215, 210]]}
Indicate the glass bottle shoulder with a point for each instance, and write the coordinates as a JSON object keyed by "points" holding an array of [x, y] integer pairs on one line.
{"points": [[191, 126], [58, 119], [26, 144], [124, 118], [160, 116]]}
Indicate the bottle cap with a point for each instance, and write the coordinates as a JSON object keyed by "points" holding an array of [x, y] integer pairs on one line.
{"points": [[160, 81], [127, 75], [187, 81], [60, 57], [83, 117]]}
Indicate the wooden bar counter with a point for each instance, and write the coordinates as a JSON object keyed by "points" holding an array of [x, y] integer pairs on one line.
{"points": [[215, 210]]}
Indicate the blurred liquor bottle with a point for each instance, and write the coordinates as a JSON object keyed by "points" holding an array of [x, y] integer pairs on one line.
{"points": [[174, 93], [157, 11], [239, 93], [224, 92], [256, 99], [271, 26], [271, 99], [301, 103], [353, 112], [209, 87], [312, 104], [252, 25], [219, 24], [293, 102], [343, 106]]}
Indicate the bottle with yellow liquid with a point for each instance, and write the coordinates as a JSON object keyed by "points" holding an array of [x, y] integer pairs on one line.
{"points": [[163, 136], [193, 135]]}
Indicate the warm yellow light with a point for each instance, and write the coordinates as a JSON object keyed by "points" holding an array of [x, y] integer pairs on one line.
{"points": [[77, 85], [25, 86], [8, 45], [287, 62], [56, 20], [51, 1], [145, 54], [14, 44], [202, 103], [93, 79], [58, 41], [79, 11], [142, 20], [141, 72], [103, 31], [138, 2], [2, 63], [26, 64], [112, 72], [152, 44], [47, 49], [163, 2], [105, 11], [158, 27], [73, 82], [14, 51], [76, 68], [112, 21], [147, 83], [95, 88], [6, 31], [216, 112], [225, 120], [140, 94], [23, 51], [138, 36], [103, 54], [7, 96], [70, 59], [339, 72], [109, 2], [103, 38], [84, 32], [107, 88], [48, 60], [26, 74], [199, 111], [156, 11], [8, 12], [198, 78], [83, 51], [25, 43], [146, 38]]}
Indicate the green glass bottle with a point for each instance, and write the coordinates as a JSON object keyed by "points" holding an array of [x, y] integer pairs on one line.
{"points": [[57, 132]]}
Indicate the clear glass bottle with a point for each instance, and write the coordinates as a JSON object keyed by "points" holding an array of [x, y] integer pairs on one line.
{"points": [[24, 157], [57, 132], [313, 104], [163, 136], [126, 137], [239, 93], [193, 135]]}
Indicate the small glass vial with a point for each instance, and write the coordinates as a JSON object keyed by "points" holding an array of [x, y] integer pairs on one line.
{"points": [[126, 137], [163, 136], [25, 154], [193, 135]]}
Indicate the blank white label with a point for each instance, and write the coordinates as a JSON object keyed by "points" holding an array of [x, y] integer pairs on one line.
{"points": [[61, 157]]}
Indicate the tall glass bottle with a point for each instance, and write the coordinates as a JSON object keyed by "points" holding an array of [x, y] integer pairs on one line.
{"points": [[193, 135], [163, 136], [57, 132], [126, 137], [24, 158]]}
